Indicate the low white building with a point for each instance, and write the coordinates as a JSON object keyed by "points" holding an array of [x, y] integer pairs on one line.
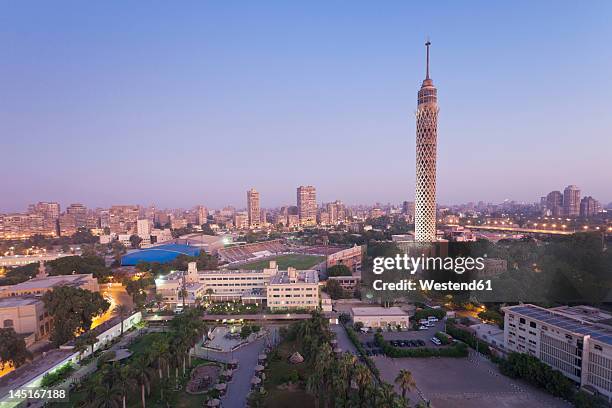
{"points": [[380, 316]]}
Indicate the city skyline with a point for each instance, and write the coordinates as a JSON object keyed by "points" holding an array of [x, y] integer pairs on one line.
{"points": [[99, 118]]}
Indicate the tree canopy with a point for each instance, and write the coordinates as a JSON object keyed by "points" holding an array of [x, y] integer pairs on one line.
{"points": [[339, 270], [12, 348], [73, 310]]}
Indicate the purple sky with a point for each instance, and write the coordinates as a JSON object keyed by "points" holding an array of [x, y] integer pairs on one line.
{"points": [[194, 103]]}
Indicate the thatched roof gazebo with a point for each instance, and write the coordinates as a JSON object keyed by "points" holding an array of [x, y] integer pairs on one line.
{"points": [[296, 358]]}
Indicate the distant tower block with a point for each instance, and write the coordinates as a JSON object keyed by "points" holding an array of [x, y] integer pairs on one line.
{"points": [[42, 270], [426, 151]]}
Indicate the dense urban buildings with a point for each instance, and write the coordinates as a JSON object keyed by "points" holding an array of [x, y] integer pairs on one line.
{"points": [[426, 152]]}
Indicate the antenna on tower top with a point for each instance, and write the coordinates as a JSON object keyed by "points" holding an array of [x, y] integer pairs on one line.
{"points": [[427, 44]]}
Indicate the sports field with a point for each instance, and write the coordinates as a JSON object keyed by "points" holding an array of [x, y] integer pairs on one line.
{"points": [[298, 261]]}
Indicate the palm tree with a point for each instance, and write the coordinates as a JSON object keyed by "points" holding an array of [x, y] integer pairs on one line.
{"points": [[142, 372], [160, 351], [405, 381], [363, 379], [313, 387], [386, 396], [86, 339], [164, 391], [125, 383], [346, 368], [107, 396], [122, 310]]}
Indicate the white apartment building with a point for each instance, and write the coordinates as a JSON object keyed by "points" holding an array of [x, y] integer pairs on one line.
{"points": [[248, 286], [577, 346], [292, 289]]}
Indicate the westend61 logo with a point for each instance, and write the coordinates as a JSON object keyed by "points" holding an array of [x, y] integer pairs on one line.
{"points": [[412, 264]]}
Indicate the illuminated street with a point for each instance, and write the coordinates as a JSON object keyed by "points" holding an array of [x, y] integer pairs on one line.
{"points": [[116, 295]]}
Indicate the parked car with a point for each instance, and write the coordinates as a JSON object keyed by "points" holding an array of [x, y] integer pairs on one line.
{"points": [[436, 341], [423, 328]]}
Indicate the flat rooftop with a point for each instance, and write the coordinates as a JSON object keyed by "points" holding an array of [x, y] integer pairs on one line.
{"points": [[26, 373], [282, 277], [48, 282], [554, 318], [18, 301], [378, 311]]}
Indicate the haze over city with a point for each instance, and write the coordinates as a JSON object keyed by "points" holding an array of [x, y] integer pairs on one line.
{"points": [[119, 103]]}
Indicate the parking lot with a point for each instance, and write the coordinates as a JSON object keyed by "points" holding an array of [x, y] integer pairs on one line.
{"points": [[472, 382]]}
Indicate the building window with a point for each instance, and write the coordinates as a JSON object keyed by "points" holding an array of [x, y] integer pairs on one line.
{"points": [[8, 323]]}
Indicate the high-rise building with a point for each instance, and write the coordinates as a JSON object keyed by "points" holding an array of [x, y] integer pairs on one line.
{"points": [[589, 207], [426, 152], [571, 201], [554, 203], [202, 215], [307, 205], [79, 213], [253, 208], [408, 208]]}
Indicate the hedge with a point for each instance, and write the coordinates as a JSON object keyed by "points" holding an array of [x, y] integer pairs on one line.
{"points": [[443, 338], [355, 340], [457, 350], [468, 338]]}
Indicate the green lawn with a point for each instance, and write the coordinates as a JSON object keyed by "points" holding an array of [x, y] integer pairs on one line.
{"points": [[277, 373], [298, 261]]}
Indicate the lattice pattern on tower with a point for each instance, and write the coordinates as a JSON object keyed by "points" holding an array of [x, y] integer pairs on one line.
{"points": [[426, 155], [426, 152]]}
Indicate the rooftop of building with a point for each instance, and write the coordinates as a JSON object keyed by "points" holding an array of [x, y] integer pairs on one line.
{"points": [[577, 326], [378, 311], [161, 253], [48, 282], [588, 313], [282, 277], [18, 301], [28, 372]]}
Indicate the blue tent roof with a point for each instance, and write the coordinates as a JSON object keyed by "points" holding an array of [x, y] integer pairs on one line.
{"points": [[161, 254]]}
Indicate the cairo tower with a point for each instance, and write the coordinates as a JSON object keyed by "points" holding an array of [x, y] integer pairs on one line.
{"points": [[426, 146]]}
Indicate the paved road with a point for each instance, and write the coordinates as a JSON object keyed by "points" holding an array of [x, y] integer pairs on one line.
{"points": [[343, 341], [240, 386]]}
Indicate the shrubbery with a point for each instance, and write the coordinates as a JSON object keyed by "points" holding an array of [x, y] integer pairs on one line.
{"points": [[57, 376], [532, 370], [368, 361], [468, 338], [444, 339]]}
